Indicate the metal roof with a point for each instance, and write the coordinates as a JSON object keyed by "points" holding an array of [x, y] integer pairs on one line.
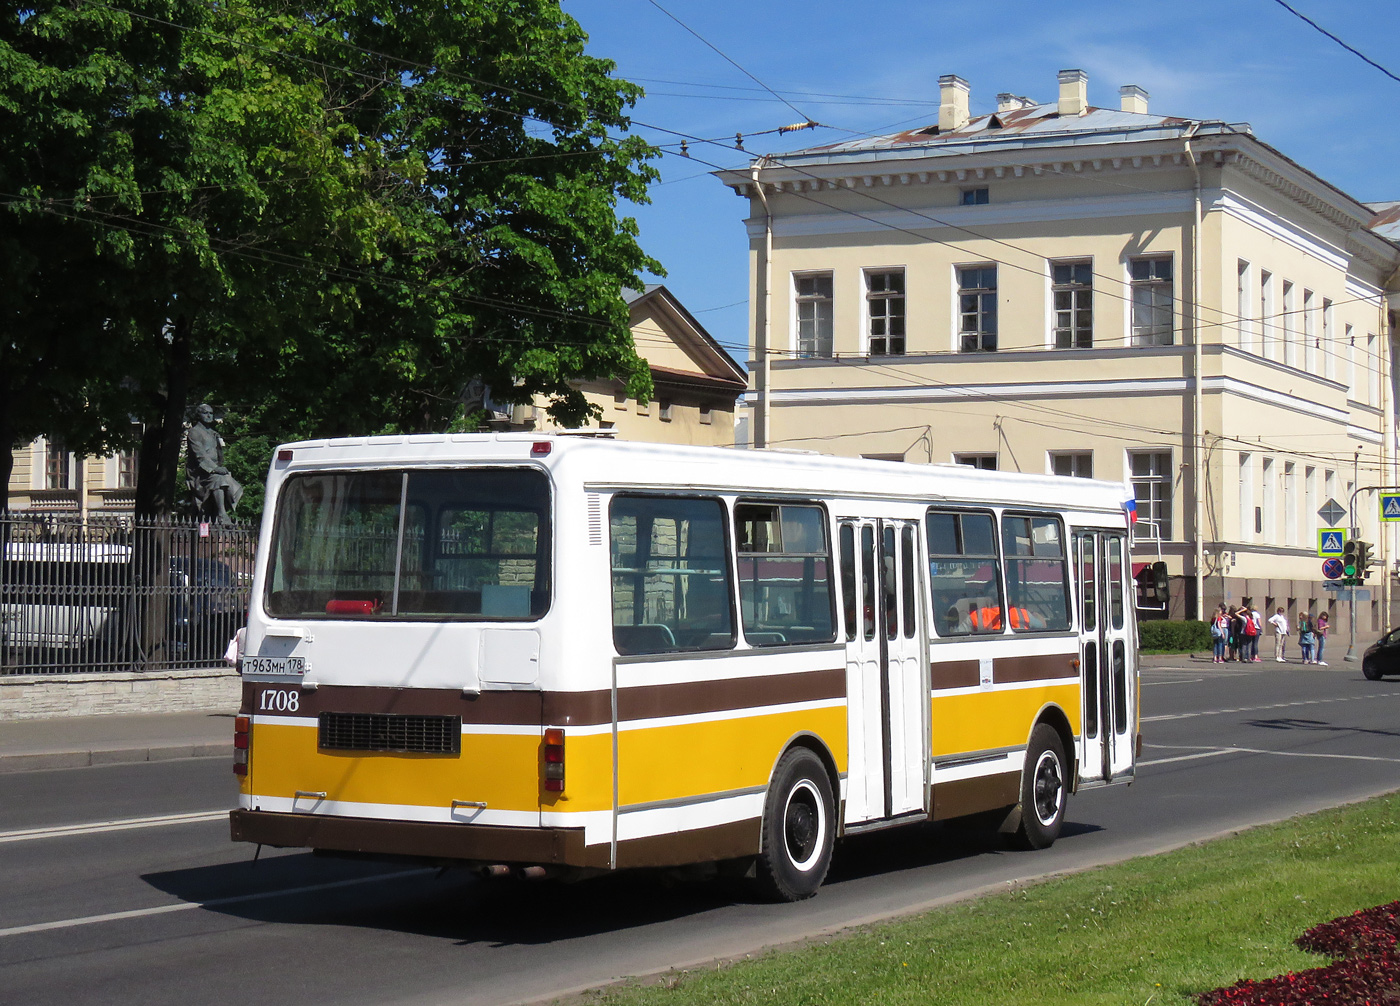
{"points": [[1033, 126], [1387, 219]]}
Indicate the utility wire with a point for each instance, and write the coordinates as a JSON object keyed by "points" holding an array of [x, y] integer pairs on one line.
{"points": [[1349, 48], [746, 73]]}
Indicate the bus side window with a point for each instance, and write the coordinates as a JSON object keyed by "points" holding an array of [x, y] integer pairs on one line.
{"points": [[848, 578], [1036, 569], [671, 587], [964, 573], [784, 574]]}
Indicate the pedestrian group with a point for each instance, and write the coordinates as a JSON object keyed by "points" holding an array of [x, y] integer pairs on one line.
{"points": [[1235, 632]]}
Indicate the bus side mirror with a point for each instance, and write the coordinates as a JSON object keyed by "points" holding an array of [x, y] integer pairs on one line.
{"points": [[1159, 579]]}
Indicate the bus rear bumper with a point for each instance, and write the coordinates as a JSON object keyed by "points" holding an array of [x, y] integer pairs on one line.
{"points": [[419, 840]]}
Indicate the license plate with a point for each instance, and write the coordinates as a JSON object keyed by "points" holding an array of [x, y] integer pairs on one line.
{"points": [[294, 666]]}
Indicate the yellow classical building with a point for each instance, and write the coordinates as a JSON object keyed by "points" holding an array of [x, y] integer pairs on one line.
{"points": [[1058, 287]]}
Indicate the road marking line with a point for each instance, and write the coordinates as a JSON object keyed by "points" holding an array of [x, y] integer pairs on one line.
{"points": [[1186, 681], [1214, 752], [184, 906], [98, 827], [1190, 757], [1277, 705]]}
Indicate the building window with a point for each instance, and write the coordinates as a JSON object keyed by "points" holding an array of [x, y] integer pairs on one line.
{"points": [[1290, 327], [706, 417], [1329, 351], [1290, 504], [663, 411], [620, 400], [1310, 344], [986, 462], [58, 466], [1242, 305], [814, 316], [1152, 487], [976, 197], [1079, 464], [1073, 290], [1246, 495], [126, 470], [1152, 302], [977, 308], [884, 299], [1269, 483], [1266, 315]]}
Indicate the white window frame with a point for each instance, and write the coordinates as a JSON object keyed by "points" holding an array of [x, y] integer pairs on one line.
{"points": [[1246, 497], [1075, 459], [868, 316], [1268, 331], [1310, 347], [1152, 284], [1075, 290], [1245, 338], [977, 459], [798, 299], [981, 291], [1151, 509]]}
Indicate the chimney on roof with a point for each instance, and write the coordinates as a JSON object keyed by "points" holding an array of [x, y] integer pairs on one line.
{"points": [[1008, 102], [952, 102], [1074, 92], [1132, 99]]}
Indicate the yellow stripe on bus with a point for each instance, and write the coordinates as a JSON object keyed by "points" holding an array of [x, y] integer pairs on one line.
{"points": [[718, 756], [502, 770], [985, 721]]}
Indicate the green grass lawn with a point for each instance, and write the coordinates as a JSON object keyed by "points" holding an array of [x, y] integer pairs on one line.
{"points": [[1153, 930]]}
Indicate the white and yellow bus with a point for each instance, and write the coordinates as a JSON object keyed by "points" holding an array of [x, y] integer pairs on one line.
{"points": [[563, 654]]}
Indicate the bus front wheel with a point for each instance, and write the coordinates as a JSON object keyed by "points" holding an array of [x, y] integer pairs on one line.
{"points": [[799, 829], [1044, 787]]}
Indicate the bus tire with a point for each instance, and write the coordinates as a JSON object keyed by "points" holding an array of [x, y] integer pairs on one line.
{"points": [[798, 829], [1044, 789]]}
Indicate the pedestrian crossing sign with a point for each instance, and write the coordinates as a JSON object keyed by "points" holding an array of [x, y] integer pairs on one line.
{"points": [[1390, 506], [1330, 541]]}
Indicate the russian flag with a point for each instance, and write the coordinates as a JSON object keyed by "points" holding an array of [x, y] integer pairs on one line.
{"points": [[1130, 506]]}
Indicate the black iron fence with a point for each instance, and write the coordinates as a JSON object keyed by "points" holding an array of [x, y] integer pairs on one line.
{"points": [[117, 593]]}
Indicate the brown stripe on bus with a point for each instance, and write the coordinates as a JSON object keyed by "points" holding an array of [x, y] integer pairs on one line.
{"points": [[955, 674], [683, 698], [1035, 668], [693, 697], [974, 796]]}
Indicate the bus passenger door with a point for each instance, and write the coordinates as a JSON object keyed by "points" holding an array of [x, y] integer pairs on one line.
{"points": [[906, 684], [1106, 743], [885, 675]]}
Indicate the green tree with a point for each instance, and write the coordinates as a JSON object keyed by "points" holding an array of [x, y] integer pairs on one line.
{"points": [[331, 218]]}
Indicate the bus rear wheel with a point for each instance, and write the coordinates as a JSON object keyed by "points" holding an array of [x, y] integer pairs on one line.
{"points": [[1044, 788], [799, 829]]}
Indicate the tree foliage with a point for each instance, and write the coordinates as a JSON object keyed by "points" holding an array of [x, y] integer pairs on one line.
{"points": [[331, 219]]}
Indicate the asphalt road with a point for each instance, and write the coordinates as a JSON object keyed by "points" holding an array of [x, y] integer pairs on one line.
{"points": [[171, 912]]}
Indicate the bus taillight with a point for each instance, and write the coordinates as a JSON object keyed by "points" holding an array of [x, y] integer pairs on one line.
{"points": [[241, 737], [554, 760]]}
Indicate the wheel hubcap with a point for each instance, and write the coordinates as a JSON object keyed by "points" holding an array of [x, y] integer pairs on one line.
{"points": [[1049, 788], [804, 825]]}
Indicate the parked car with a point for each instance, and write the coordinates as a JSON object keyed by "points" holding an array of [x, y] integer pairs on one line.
{"points": [[1382, 657]]}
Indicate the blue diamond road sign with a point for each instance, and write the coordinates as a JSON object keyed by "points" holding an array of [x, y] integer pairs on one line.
{"points": [[1390, 506]]}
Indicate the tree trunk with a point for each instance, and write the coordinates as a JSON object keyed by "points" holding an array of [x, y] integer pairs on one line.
{"points": [[156, 482], [162, 441]]}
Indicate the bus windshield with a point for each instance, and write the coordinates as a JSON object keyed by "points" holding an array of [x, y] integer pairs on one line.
{"points": [[463, 544]]}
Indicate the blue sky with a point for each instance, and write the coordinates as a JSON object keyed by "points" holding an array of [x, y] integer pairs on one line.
{"points": [[1237, 60]]}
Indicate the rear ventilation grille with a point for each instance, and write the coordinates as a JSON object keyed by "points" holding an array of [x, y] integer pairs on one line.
{"points": [[390, 732]]}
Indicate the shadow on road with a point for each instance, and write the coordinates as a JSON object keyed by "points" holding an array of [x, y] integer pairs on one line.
{"points": [[1289, 723], [461, 907]]}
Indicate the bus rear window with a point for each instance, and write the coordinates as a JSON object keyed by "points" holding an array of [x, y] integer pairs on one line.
{"points": [[470, 544]]}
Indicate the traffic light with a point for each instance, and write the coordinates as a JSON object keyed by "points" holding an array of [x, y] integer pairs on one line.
{"points": [[1350, 557], [1363, 558]]}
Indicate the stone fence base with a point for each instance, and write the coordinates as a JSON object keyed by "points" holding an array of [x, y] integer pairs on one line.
{"points": [[41, 696]]}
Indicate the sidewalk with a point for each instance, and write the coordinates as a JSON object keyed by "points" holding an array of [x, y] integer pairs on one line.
{"points": [[27, 745]]}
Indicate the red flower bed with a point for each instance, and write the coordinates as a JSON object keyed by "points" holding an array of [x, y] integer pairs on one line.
{"points": [[1366, 932], [1372, 980], [1367, 974]]}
